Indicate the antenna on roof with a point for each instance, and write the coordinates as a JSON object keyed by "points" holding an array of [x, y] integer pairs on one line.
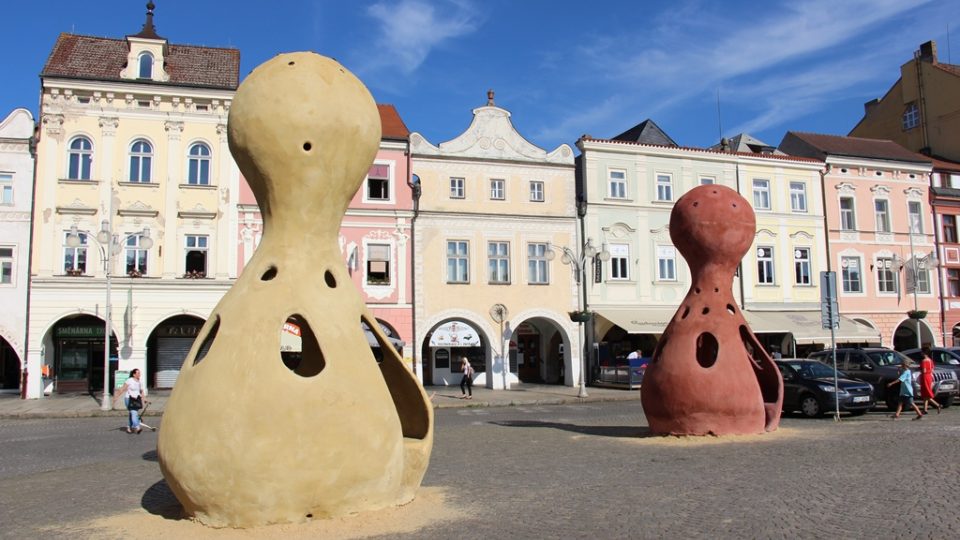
{"points": [[719, 122], [949, 59]]}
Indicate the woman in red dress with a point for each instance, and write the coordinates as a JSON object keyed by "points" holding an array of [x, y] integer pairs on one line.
{"points": [[926, 382]]}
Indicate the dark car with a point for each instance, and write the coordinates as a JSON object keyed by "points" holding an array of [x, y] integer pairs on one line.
{"points": [[943, 357], [808, 387], [879, 366]]}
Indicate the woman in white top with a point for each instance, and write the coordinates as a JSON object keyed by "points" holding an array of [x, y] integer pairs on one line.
{"points": [[466, 383], [133, 393]]}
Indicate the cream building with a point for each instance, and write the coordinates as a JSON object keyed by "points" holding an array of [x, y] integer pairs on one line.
{"points": [[493, 216], [132, 142], [16, 194]]}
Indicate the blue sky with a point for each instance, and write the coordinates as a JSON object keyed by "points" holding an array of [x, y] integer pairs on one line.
{"points": [[562, 68]]}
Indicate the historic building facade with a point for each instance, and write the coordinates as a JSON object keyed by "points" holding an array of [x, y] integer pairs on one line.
{"points": [[16, 197], [945, 201], [137, 189], [880, 234], [495, 213]]}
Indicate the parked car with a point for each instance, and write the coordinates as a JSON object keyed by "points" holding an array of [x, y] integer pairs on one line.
{"points": [[944, 357], [879, 365], [808, 387]]}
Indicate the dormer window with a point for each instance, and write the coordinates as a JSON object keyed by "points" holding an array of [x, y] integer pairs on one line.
{"points": [[146, 66]]}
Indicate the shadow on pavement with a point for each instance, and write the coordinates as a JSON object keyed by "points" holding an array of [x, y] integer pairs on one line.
{"points": [[600, 431], [160, 501], [150, 456]]}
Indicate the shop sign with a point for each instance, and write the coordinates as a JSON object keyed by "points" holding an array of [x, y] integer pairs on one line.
{"points": [[455, 334], [179, 330], [80, 331]]}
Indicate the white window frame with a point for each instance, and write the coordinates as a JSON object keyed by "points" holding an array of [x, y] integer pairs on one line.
{"points": [[881, 215], [460, 258], [145, 62], [848, 216], [798, 197], [7, 264], [922, 281], [199, 165], [537, 191], [802, 266], [140, 256], [761, 194], [887, 279], [141, 161], [6, 189], [847, 265], [707, 180], [911, 116], [619, 262], [538, 266], [389, 184], [458, 187], [377, 252], [915, 213], [498, 189], [617, 183], [666, 263], [664, 187], [82, 156], [79, 252], [766, 269], [200, 243], [498, 262]]}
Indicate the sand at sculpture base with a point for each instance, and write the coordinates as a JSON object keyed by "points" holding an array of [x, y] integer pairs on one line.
{"points": [[646, 438], [430, 508]]}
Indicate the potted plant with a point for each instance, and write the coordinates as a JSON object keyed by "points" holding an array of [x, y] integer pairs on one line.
{"points": [[917, 314], [580, 316]]}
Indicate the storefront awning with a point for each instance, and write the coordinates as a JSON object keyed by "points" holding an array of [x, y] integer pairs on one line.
{"points": [[455, 334], [806, 328], [639, 321]]}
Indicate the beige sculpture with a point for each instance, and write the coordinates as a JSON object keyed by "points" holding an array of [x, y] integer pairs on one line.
{"points": [[249, 440]]}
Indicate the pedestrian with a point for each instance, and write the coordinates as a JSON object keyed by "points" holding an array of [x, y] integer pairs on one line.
{"points": [[134, 394], [466, 383], [906, 391], [926, 381], [635, 354]]}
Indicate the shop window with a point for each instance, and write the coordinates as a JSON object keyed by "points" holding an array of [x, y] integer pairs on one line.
{"points": [[195, 257]]}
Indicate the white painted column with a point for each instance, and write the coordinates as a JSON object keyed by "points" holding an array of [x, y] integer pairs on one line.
{"points": [[169, 236]]}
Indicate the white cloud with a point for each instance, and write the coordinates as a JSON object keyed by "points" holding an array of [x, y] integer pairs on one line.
{"points": [[410, 29]]}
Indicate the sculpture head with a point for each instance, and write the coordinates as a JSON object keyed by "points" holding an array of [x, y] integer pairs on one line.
{"points": [[712, 224]]}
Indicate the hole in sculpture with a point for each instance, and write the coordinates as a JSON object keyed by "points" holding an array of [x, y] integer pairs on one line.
{"points": [[331, 281], [697, 290], [716, 289], [299, 349], [751, 346], [656, 352], [731, 310], [269, 274], [309, 516], [696, 204], [707, 348], [405, 391], [290, 63], [207, 340], [307, 146], [706, 310], [686, 311]]}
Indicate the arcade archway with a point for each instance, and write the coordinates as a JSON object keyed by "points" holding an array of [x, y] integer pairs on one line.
{"points": [[905, 336], [445, 344], [539, 352], [168, 346], [9, 366]]}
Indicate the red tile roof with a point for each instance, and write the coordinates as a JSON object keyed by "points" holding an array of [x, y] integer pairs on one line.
{"points": [[949, 68], [944, 165], [781, 157], [391, 123], [820, 146], [95, 58]]}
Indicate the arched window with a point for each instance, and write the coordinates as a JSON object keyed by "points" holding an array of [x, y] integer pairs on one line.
{"points": [[141, 154], [199, 165], [81, 154], [146, 66]]}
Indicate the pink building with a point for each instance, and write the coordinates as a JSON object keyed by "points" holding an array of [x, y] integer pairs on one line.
{"points": [[881, 237], [375, 235]]}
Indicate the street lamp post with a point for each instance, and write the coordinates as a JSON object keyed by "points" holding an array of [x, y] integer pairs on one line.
{"points": [[932, 259], [577, 260], [109, 244]]}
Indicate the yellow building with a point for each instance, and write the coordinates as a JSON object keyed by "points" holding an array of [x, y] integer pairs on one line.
{"points": [[921, 111], [494, 213], [133, 170]]}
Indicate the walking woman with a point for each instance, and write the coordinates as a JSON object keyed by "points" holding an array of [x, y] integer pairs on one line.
{"points": [[926, 382], [134, 394], [466, 383]]}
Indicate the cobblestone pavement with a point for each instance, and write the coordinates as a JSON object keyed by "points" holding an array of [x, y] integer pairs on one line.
{"points": [[575, 470]]}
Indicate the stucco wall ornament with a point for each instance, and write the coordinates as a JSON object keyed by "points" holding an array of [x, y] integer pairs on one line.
{"points": [[709, 374], [252, 438]]}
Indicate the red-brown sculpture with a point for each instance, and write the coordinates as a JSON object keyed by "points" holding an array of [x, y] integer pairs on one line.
{"points": [[709, 374]]}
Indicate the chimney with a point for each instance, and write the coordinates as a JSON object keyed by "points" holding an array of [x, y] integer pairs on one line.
{"points": [[928, 52], [868, 106]]}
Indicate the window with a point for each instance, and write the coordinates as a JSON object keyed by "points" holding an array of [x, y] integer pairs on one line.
{"points": [[619, 261], [798, 196], [536, 191], [801, 266], [666, 263], [618, 184], [6, 188], [664, 187], [378, 264], [75, 258], [198, 173], [457, 188], [761, 194], [195, 257], [765, 265], [136, 256], [923, 281], [80, 156], [141, 153], [537, 266], [497, 192], [916, 219], [848, 220], [378, 183], [881, 211], [457, 261], [949, 229], [707, 180], [6, 265], [850, 274], [911, 116], [886, 278], [498, 262], [953, 282], [146, 66]]}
